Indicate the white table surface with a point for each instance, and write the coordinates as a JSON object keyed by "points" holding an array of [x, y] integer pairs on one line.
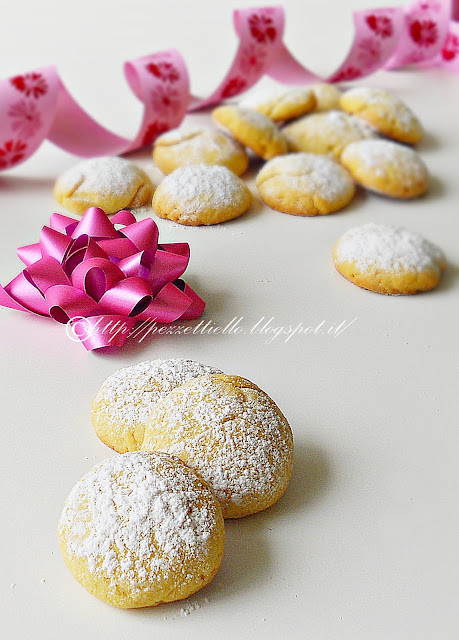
{"points": [[364, 543]]}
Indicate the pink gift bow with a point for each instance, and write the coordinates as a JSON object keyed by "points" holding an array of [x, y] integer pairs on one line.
{"points": [[36, 105], [106, 279]]}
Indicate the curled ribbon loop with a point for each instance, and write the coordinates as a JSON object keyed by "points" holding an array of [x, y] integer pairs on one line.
{"points": [[102, 279], [36, 105]]}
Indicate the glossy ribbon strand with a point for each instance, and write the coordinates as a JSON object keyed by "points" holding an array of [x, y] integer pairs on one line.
{"points": [[103, 273], [36, 106]]}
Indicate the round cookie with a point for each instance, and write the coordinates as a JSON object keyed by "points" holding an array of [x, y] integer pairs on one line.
{"points": [[141, 529], [252, 129], [327, 96], [201, 195], [232, 434], [326, 133], [282, 103], [387, 259], [198, 145], [122, 405], [380, 108], [386, 167], [112, 184], [305, 184]]}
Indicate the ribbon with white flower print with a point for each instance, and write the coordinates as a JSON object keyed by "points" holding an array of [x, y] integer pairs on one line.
{"points": [[36, 106]]}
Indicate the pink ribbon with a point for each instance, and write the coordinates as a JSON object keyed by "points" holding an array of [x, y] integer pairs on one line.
{"points": [[102, 276], [36, 105]]}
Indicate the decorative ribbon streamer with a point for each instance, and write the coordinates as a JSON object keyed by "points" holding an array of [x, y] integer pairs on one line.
{"points": [[101, 276], [36, 105]]}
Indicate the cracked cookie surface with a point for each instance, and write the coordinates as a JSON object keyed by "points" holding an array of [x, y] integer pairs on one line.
{"points": [[305, 184], [252, 129], [232, 434], [201, 195], [384, 111], [387, 168], [141, 529], [199, 145], [387, 259], [110, 183], [327, 133]]}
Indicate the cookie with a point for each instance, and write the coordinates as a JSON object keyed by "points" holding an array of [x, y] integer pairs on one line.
{"points": [[201, 194], [199, 145], [386, 113], [282, 103], [232, 434], [305, 184], [122, 405], [253, 129], [326, 133], [327, 96], [386, 167], [109, 183], [387, 259], [141, 529]]}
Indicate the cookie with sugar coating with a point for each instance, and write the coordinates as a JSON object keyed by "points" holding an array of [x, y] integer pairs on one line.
{"points": [[199, 145], [201, 195], [305, 184], [232, 434], [282, 103], [122, 405], [386, 167], [327, 96], [384, 111], [141, 529], [387, 259], [110, 183], [328, 132], [253, 129]]}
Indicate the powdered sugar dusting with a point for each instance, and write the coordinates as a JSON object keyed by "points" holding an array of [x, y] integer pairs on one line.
{"points": [[385, 105], [105, 176], [194, 144], [230, 432], [128, 396], [311, 173], [379, 155], [388, 248], [339, 122], [195, 188], [135, 515], [175, 136], [327, 132], [291, 95], [247, 117], [327, 96]]}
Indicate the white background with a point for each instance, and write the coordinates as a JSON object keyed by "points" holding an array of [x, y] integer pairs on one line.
{"points": [[364, 543]]}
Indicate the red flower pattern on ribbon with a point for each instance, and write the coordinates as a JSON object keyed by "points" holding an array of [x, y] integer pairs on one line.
{"points": [[26, 118], [451, 47], [164, 70], [31, 84], [424, 32], [348, 73], [233, 87], [415, 34], [381, 25], [253, 59], [12, 152], [164, 100], [369, 51], [431, 6], [153, 130], [262, 27]]}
